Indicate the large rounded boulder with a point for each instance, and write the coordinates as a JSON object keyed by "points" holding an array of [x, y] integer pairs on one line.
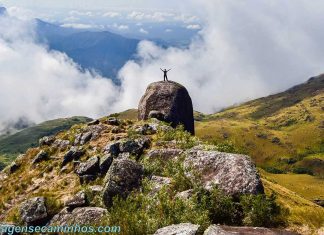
{"points": [[234, 174], [167, 101]]}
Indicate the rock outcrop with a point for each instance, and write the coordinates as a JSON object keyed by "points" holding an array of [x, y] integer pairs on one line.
{"points": [[33, 211], [123, 176], [167, 101], [228, 230], [178, 229], [234, 174], [80, 216]]}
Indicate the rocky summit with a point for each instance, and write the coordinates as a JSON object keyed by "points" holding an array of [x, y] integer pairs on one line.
{"points": [[167, 101]]}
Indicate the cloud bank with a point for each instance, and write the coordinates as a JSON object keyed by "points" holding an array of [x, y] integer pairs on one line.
{"points": [[245, 50], [38, 84]]}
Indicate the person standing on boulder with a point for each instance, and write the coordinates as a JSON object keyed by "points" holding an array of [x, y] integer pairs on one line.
{"points": [[165, 78]]}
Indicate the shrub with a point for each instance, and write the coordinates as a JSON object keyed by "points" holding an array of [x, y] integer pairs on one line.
{"points": [[141, 213], [221, 209], [273, 170], [183, 139], [262, 211], [302, 170]]}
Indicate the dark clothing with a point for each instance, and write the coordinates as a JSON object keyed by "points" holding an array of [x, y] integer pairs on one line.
{"points": [[165, 74]]}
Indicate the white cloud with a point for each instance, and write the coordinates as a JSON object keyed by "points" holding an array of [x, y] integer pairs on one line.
{"points": [[81, 13], [151, 16], [193, 26], [143, 31], [168, 30], [82, 26], [120, 26], [245, 50], [40, 85], [111, 14]]}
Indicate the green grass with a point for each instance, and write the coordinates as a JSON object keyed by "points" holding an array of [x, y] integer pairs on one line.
{"points": [[12, 145], [307, 186]]}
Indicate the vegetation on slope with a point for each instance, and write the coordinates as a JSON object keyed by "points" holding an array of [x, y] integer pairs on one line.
{"points": [[12, 145], [283, 132]]}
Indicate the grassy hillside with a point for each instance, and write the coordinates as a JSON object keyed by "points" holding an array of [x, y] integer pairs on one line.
{"points": [[12, 145], [282, 132]]}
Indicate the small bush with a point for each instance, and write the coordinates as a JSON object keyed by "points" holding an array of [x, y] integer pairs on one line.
{"points": [[302, 170], [262, 211], [273, 170], [143, 214], [183, 139]]}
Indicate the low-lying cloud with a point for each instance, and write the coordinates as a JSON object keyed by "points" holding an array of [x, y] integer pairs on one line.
{"points": [[244, 50], [38, 84]]}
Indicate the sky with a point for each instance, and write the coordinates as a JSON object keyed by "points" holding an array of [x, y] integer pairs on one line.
{"points": [[246, 49], [95, 4]]}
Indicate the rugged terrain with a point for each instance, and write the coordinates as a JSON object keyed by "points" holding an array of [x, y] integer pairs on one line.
{"points": [[145, 175]]}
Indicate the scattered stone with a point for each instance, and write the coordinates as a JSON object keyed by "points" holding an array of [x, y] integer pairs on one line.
{"points": [[80, 216], [144, 141], [85, 179], [234, 174], [319, 202], [116, 130], [33, 211], [178, 229], [46, 140], [96, 188], [275, 140], [83, 138], [123, 176], [164, 154], [73, 154], [131, 146], [170, 102], [262, 136], [64, 169], [62, 144], [185, 195], [113, 121], [112, 148], [86, 137], [77, 200], [159, 182], [90, 167], [96, 130], [41, 156], [146, 129], [94, 122], [105, 163], [228, 230], [13, 167]]}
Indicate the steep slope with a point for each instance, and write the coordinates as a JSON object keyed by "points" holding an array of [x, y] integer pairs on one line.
{"points": [[282, 132], [12, 145], [157, 204]]}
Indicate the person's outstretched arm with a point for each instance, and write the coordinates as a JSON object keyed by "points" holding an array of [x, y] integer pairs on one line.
{"points": [[162, 70], [169, 70]]}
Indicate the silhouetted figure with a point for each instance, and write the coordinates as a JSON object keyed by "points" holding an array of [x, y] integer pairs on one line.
{"points": [[165, 72]]}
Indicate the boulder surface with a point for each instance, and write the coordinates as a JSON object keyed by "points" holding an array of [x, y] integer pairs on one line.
{"points": [[234, 174], [33, 211], [170, 102], [178, 229], [123, 176]]}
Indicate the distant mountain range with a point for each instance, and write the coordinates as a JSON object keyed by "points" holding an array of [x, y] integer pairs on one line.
{"points": [[103, 51]]}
